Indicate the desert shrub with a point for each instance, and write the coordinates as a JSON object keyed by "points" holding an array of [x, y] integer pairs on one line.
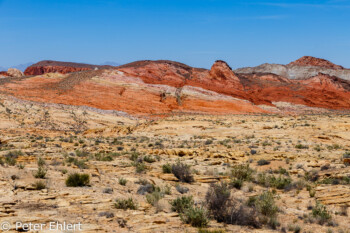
{"points": [[242, 172], [134, 156], [108, 190], [39, 185], [300, 146], [103, 157], [224, 209], [11, 157], [195, 216], [106, 214], [82, 153], [217, 199], [167, 168], [122, 181], [182, 172], [211, 231], [77, 180], [155, 196], [140, 167], [125, 204], [311, 175], [181, 204], [149, 159], [321, 213], [280, 182], [1, 162], [265, 204], [236, 183], [41, 162], [182, 189], [146, 188], [262, 162], [79, 163], [40, 173]]}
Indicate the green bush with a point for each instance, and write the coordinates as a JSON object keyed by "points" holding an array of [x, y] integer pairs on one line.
{"points": [[195, 216], [181, 204], [263, 162], [125, 204], [321, 213], [280, 182], [140, 167], [77, 180], [40, 173], [265, 204], [122, 181], [242, 172], [39, 185], [149, 159], [167, 168]]}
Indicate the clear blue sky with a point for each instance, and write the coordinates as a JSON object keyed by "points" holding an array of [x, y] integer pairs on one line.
{"points": [[195, 32]]}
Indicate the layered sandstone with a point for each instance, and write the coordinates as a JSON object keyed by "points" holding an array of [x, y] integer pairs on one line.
{"points": [[303, 68], [44, 67]]}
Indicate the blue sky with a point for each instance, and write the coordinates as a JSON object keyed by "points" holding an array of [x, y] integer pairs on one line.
{"points": [[195, 32]]}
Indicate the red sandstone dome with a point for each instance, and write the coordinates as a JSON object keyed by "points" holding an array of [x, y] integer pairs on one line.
{"points": [[313, 61], [59, 67]]}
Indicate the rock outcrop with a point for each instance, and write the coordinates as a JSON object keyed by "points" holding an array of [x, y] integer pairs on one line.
{"points": [[303, 68], [15, 73], [313, 61], [163, 87], [44, 67]]}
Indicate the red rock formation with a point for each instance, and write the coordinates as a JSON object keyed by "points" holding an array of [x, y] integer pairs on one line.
{"points": [[313, 61], [4, 73], [44, 67], [158, 87]]}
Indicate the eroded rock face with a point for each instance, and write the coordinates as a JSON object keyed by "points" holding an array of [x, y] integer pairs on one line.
{"points": [[303, 68], [15, 73], [313, 61], [44, 67], [162, 87], [4, 74]]}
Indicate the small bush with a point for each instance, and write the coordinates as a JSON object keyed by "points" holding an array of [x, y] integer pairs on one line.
{"points": [[41, 162], [40, 173], [122, 181], [181, 204], [265, 204], [195, 216], [236, 183], [182, 172], [125, 204], [140, 167], [300, 146], [39, 185], [263, 162], [280, 182], [182, 189], [211, 231], [77, 180], [167, 168], [149, 159], [321, 213], [242, 172], [146, 188], [11, 157], [154, 197]]}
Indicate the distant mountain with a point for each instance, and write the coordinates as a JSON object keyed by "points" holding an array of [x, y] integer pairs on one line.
{"points": [[110, 63], [21, 67]]}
